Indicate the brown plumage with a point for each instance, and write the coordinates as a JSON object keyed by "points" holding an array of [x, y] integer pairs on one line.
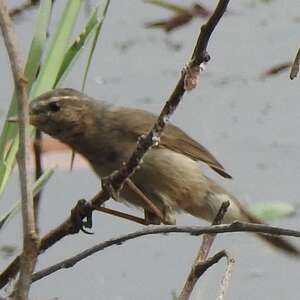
{"points": [[170, 174]]}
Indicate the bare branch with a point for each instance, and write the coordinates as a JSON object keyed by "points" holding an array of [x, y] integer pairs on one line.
{"points": [[30, 239], [276, 69], [208, 239], [295, 66], [181, 17], [192, 230], [18, 10], [37, 149], [115, 181], [227, 275], [202, 255]]}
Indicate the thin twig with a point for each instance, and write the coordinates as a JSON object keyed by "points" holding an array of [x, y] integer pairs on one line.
{"points": [[276, 69], [208, 239], [192, 230], [115, 181], [146, 200], [295, 66], [18, 10], [30, 239], [37, 149], [226, 277], [202, 255], [180, 18], [201, 268]]}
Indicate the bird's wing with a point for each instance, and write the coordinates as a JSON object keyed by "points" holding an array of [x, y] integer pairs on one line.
{"points": [[172, 138], [177, 140]]}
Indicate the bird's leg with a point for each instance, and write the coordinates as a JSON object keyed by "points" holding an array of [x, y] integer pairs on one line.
{"points": [[135, 192], [122, 215], [151, 217], [168, 217], [149, 204]]}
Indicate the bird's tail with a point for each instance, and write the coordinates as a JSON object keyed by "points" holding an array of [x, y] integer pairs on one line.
{"points": [[237, 212], [275, 241]]}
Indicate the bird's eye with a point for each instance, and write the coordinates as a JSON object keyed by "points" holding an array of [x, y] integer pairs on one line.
{"points": [[54, 106]]}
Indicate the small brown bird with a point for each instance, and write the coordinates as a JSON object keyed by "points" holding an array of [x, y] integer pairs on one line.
{"points": [[170, 174]]}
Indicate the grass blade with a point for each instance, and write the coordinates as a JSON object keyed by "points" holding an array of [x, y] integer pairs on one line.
{"points": [[47, 76], [103, 10], [9, 132], [57, 49], [39, 184], [77, 45]]}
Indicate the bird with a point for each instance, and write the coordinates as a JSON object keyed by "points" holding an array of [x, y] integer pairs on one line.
{"points": [[170, 175]]}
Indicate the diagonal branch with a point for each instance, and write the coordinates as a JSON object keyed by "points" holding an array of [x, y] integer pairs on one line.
{"points": [[145, 142], [208, 239], [115, 181], [202, 255], [295, 66], [30, 239]]}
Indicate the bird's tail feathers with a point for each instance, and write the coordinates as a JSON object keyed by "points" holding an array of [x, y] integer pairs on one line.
{"points": [[276, 241]]}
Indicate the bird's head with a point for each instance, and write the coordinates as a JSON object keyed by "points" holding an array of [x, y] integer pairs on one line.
{"points": [[62, 113]]}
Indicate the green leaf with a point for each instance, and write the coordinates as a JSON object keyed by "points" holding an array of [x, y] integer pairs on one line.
{"points": [[57, 49], [102, 9], [77, 46], [39, 184], [271, 211], [56, 63], [43, 179], [9, 132], [8, 215], [47, 75], [93, 25]]}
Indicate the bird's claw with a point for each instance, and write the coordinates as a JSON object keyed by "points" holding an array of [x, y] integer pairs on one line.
{"points": [[85, 231], [82, 211]]}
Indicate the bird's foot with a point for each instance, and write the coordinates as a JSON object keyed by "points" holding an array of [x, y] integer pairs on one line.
{"points": [[81, 217]]}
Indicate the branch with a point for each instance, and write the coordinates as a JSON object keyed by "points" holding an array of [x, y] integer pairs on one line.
{"points": [[202, 255], [225, 280], [192, 230], [208, 239], [115, 181], [37, 150], [18, 10], [30, 239], [200, 269], [144, 143], [295, 66]]}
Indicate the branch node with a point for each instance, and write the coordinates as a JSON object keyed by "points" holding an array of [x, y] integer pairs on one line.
{"points": [[108, 186], [205, 57], [191, 74]]}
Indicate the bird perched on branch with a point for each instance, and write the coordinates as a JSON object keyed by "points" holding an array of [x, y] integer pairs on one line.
{"points": [[169, 176]]}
